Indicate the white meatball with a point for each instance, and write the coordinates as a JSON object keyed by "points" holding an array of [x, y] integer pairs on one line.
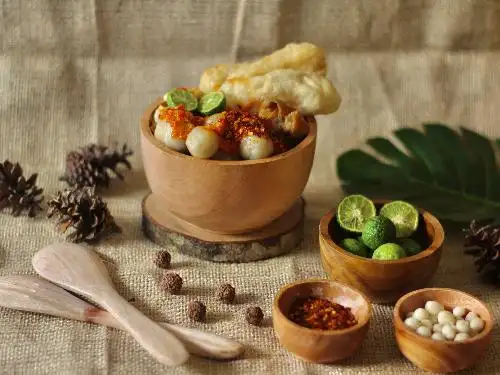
{"points": [[213, 119], [477, 324], [437, 336], [163, 132], [253, 147], [458, 311], [433, 307], [202, 142], [424, 331], [461, 336], [433, 319], [462, 325], [446, 317], [421, 314], [412, 323]]}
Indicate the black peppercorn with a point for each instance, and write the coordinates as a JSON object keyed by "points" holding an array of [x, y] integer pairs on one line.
{"points": [[226, 293], [197, 311]]}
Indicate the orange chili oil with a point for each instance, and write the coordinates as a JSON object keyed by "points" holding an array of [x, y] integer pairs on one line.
{"points": [[319, 313], [235, 124], [181, 121]]}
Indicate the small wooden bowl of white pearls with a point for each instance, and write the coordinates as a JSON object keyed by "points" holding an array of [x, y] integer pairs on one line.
{"points": [[442, 330]]}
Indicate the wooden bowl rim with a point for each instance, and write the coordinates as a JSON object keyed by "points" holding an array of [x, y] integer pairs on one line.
{"points": [[319, 332], [146, 131], [436, 244], [488, 326]]}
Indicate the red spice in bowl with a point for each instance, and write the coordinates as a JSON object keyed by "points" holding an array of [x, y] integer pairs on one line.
{"points": [[320, 313]]}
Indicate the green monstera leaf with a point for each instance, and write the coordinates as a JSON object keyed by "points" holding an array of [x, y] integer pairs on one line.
{"points": [[453, 174]]}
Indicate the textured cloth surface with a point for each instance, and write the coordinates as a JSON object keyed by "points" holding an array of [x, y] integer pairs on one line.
{"points": [[74, 72]]}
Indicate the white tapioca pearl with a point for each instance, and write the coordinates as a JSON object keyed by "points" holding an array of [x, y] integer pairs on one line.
{"points": [[421, 314], [449, 332], [437, 328], [462, 325], [427, 323], [471, 315], [433, 307], [477, 324], [446, 317], [424, 331], [437, 336], [412, 323], [459, 311], [461, 336]]}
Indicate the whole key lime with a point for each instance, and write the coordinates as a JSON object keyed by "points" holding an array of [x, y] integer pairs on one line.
{"points": [[389, 251], [377, 231], [411, 246], [355, 247]]}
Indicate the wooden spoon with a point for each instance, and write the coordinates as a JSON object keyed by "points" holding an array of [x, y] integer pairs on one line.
{"points": [[31, 293], [80, 270]]}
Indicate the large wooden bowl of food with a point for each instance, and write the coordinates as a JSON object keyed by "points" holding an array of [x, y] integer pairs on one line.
{"points": [[235, 153]]}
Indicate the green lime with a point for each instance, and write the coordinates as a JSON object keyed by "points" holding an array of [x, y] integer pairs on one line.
{"points": [[177, 97], [377, 231], [389, 251], [353, 211], [369, 251], [354, 246], [403, 215], [212, 103], [411, 246]]}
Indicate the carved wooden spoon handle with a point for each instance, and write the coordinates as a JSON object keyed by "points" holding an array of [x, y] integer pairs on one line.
{"points": [[202, 344], [31, 293]]}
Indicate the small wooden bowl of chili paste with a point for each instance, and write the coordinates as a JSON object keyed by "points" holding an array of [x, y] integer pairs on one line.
{"points": [[321, 321]]}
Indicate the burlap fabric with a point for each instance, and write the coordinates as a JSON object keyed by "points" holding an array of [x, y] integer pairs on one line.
{"points": [[73, 72]]}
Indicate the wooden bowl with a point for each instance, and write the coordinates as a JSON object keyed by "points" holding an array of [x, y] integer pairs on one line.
{"points": [[441, 356], [314, 345], [382, 281], [225, 196]]}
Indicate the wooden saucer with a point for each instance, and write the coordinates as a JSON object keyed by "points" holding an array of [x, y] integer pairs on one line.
{"points": [[166, 229]]}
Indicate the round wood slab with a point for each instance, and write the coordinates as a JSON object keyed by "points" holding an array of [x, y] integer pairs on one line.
{"points": [[277, 238]]}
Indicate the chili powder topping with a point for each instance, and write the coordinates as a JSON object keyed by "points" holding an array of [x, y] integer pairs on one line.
{"points": [[319, 313]]}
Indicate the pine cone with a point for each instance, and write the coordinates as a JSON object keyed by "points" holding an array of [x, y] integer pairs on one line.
{"points": [[92, 164], [86, 212], [18, 193], [484, 244]]}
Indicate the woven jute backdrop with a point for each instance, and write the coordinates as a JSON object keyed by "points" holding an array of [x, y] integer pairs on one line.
{"points": [[74, 72]]}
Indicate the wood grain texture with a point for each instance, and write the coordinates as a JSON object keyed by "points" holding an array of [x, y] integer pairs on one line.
{"points": [[276, 238], [441, 356], [381, 281], [225, 196], [34, 294], [80, 270], [314, 345]]}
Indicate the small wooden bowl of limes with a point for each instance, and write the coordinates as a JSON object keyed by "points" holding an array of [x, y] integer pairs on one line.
{"points": [[383, 248]]}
